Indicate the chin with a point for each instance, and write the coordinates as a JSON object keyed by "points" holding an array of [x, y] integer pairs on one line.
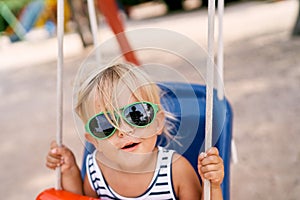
{"points": [[135, 162]]}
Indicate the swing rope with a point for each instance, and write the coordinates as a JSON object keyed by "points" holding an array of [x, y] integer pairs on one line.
{"points": [[220, 62], [209, 87], [94, 28], [210, 76], [60, 37]]}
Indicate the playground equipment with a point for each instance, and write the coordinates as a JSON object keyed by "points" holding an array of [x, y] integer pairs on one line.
{"points": [[212, 119], [35, 13]]}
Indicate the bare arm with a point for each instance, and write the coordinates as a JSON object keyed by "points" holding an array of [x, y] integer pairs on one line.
{"points": [[185, 180], [88, 189]]}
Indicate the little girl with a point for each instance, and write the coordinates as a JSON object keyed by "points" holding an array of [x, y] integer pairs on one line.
{"points": [[123, 115]]}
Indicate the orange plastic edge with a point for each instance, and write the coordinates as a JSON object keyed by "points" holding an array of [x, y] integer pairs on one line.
{"points": [[52, 194]]}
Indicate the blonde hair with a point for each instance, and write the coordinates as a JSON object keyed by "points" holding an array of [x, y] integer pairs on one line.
{"points": [[102, 86]]}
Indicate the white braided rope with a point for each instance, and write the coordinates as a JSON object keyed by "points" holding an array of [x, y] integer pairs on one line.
{"points": [[94, 27], [209, 87], [60, 60], [220, 66]]}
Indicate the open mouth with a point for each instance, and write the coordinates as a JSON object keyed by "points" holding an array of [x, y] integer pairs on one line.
{"points": [[130, 146]]}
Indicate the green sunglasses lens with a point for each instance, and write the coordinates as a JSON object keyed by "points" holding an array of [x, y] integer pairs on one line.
{"points": [[100, 127], [139, 114]]}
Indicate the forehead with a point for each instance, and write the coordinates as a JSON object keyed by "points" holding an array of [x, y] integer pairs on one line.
{"points": [[120, 97], [124, 96], [115, 94]]}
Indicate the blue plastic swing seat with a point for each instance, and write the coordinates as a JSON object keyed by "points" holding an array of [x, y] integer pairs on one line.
{"points": [[187, 103]]}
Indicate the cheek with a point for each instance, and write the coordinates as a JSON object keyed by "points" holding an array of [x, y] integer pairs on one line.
{"points": [[149, 144], [152, 141], [104, 145], [146, 132]]}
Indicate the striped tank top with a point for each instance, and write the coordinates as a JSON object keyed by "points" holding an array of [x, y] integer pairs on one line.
{"points": [[160, 188]]}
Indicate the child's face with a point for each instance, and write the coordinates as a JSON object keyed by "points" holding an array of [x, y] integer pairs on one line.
{"points": [[129, 144]]}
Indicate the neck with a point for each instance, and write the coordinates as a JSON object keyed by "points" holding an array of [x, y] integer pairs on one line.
{"points": [[132, 163]]}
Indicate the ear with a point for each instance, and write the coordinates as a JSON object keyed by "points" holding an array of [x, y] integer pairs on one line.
{"points": [[91, 139], [160, 122]]}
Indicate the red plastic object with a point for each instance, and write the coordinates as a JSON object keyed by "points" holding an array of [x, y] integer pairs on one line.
{"points": [[52, 194], [110, 10]]}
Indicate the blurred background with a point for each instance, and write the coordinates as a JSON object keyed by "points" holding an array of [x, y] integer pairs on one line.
{"points": [[262, 82]]}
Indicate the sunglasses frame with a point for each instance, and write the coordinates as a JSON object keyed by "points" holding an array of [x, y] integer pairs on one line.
{"points": [[154, 107]]}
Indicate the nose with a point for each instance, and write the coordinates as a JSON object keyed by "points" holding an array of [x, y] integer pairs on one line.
{"points": [[122, 133], [125, 129]]}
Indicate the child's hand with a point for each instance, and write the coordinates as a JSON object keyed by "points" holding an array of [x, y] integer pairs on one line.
{"points": [[210, 166], [60, 156]]}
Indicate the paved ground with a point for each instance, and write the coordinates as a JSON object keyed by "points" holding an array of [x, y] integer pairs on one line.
{"points": [[262, 79]]}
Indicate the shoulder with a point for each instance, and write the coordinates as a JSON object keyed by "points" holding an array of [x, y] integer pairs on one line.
{"points": [[185, 179], [178, 163], [88, 190]]}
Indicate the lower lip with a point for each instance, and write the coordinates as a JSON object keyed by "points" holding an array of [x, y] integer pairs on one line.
{"points": [[131, 148]]}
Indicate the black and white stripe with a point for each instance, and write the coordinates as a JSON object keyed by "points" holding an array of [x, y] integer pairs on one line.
{"points": [[161, 187]]}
